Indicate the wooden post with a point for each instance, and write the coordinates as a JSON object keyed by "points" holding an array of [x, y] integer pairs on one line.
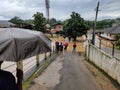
{"points": [[50, 53], [1, 63], [100, 44], [88, 50], [37, 60], [93, 36], [53, 49], [45, 56], [113, 43], [19, 74], [113, 50]]}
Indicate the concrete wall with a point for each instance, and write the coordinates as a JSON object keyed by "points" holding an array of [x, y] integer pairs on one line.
{"points": [[106, 62]]}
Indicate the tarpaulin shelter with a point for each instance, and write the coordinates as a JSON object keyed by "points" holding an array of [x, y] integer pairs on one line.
{"points": [[17, 44], [42, 36]]}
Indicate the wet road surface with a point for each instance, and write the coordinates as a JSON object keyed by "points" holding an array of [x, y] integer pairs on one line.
{"points": [[71, 72]]}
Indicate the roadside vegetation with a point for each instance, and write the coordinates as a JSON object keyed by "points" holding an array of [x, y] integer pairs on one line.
{"points": [[118, 41]]}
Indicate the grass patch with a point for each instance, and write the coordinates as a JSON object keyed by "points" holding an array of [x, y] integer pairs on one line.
{"points": [[27, 83]]}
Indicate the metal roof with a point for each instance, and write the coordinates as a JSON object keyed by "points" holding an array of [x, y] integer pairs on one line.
{"points": [[5, 23], [113, 30]]}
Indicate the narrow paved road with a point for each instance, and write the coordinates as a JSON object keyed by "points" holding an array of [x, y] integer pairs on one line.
{"points": [[75, 75], [71, 72]]}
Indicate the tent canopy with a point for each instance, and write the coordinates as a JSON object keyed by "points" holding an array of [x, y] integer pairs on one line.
{"points": [[18, 44]]}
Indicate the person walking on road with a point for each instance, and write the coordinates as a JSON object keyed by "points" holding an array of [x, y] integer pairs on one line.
{"points": [[57, 47], [65, 46], [74, 48], [61, 48]]}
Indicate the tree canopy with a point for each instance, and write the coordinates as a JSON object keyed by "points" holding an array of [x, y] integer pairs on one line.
{"points": [[106, 23], [52, 21], [117, 37], [39, 22], [75, 26], [16, 20], [29, 21]]}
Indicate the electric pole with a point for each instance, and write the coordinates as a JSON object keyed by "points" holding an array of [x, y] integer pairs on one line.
{"points": [[93, 34], [47, 9], [47, 4]]}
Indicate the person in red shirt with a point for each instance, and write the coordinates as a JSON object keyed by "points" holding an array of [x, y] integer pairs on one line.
{"points": [[74, 47]]}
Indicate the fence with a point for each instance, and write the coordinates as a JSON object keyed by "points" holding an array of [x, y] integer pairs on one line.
{"points": [[107, 46], [30, 65], [22, 70], [105, 61]]}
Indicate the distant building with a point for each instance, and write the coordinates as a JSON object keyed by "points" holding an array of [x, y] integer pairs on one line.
{"points": [[57, 28], [108, 34], [26, 26], [6, 24]]}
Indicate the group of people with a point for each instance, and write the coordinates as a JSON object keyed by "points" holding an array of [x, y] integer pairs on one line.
{"points": [[60, 46], [63, 46]]}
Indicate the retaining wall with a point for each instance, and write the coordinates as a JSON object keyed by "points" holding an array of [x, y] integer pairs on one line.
{"points": [[106, 62]]}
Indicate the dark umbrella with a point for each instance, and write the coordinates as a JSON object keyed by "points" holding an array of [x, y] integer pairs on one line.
{"points": [[17, 44]]}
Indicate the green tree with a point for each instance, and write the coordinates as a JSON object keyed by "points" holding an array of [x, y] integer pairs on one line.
{"points": [[52, 21], [16, 20], [29, 21], [39, 22], [117, 37], [104, 24], [75, 26]]}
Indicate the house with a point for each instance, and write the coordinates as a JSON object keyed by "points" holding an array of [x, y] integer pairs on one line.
{"points": [[6, 24], [108, 35], [57, 28], [26, 26], [110, 32]]}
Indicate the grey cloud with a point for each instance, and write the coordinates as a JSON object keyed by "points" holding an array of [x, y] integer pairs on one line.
{"points": [[59, 9]]}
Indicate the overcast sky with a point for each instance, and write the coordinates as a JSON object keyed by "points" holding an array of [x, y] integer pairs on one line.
{"points": [[59, 9]]}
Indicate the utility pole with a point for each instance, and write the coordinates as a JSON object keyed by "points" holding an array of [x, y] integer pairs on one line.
{"points": [[47, 9], [48, 27], [93, 35]]}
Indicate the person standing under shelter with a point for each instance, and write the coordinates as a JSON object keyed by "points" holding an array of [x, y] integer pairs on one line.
{"points": [[7, 80], [74, 47]]}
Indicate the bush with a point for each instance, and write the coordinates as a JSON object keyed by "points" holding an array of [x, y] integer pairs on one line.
{"points": [[118, 41]]}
